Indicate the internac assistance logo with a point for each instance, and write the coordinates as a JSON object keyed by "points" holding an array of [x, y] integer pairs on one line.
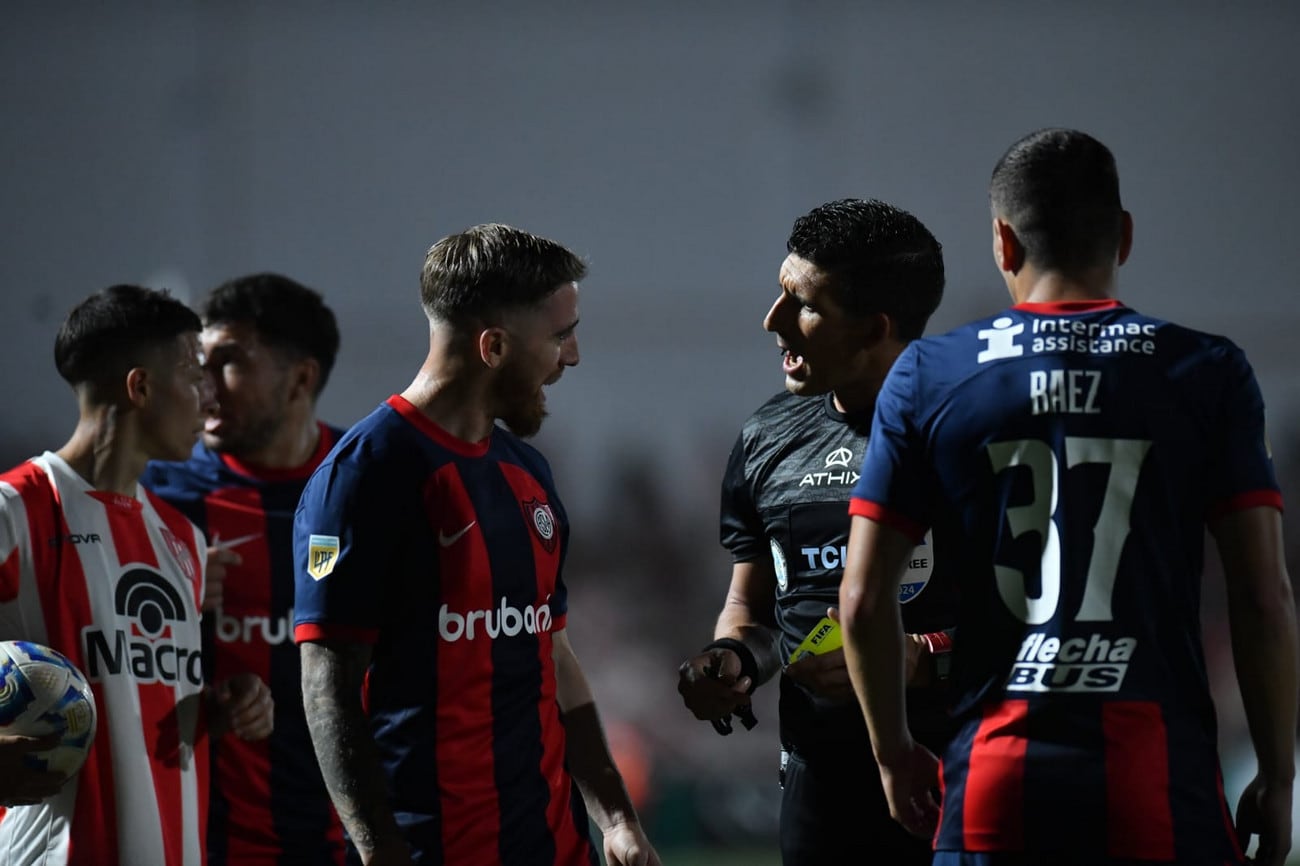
{"points": [[322, 554]]}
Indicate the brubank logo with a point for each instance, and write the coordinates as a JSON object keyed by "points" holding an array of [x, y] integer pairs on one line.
{"points": [[503, 621], [254, 629], [148, 651]]}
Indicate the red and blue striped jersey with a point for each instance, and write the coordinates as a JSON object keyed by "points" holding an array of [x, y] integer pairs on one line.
{"points": [[268, 802], [1070, 454], [447, 556]]}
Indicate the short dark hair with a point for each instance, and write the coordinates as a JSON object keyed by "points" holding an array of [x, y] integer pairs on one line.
{"points": [[1059, 190], [475, 275], [881, 260], [110, 332], [287, 315]]}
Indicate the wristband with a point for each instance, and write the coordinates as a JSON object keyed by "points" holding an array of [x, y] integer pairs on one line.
{"points": [[748, 664], [938, 642]]}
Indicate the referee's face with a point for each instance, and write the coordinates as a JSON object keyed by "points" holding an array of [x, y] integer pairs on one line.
{"points": [[822, 348]]}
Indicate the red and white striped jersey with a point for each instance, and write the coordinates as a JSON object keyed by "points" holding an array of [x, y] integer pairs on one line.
{"points": [[114, 583]]}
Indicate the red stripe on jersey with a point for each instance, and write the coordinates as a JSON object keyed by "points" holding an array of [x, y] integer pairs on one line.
{"points": [[10, 571], [880, 514], [470, 809], [157, 700], [934, 839], [1139, 820], [243, 769], [993, 807], [65, 601], [1068, 307], [571, 846], [1242, 501], [309, 631]]}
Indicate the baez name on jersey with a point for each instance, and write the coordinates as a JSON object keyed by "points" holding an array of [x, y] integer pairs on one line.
{"points": [[1078, 664]]}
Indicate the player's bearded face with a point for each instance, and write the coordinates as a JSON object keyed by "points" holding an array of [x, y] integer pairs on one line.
{"points": [[520, 398], [252, 390]]}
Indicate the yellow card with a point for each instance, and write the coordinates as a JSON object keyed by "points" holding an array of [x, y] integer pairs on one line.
{"points": [[824, 637]]}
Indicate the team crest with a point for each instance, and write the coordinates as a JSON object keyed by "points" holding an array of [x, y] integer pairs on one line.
{"points": [[322, 554], [181, 554], [778, 565], [543, 521]]}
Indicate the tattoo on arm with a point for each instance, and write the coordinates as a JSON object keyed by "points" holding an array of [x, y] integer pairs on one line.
{"points": [[332, 674]]}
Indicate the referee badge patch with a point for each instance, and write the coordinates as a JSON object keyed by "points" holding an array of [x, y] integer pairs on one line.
{"points": [[322, 554], [778, 565]]}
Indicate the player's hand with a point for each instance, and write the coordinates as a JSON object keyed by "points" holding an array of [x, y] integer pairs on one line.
{"points": [[1265, 810], [626, 845], [244, 707], [910, 778], [711, 685], [20, 784], [220, 560], [825, 675]]}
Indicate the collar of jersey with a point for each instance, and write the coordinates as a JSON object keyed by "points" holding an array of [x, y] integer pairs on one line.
{"points": [[292, 473], [1066, 307], [421, 422]]}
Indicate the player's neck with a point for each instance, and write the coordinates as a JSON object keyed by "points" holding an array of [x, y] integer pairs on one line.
{"points": [[1052, 287], [104, 453], [453, 400], [293, 445]]}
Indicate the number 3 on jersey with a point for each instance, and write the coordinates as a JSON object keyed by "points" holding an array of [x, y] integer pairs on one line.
{"points": [[1124, 458]]}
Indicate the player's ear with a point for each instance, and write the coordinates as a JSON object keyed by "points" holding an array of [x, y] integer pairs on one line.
{"points": [[139, 386], [1008, 254], [876, 328], [1125, 237], [493, 346], [304, 379]]}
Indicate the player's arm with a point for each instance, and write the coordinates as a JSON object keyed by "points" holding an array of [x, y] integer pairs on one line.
{"points": [[592, 765], [1262, 620], [332, 675], [874, 652], [745, 651]]}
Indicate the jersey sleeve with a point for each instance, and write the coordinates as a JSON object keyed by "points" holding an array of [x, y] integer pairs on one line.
{"points": [[741, 527], [889, 489], [12, 519], [1241, 473], [345, 535]]}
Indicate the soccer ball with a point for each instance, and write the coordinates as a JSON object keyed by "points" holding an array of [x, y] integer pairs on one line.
{"points": [[41, 692]]}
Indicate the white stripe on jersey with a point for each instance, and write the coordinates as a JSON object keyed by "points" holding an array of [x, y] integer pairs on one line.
{"points": [[150, 636]]}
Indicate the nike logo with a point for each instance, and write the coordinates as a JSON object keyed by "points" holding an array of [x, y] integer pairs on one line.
{"points": [[448, 540], [218, 544]]}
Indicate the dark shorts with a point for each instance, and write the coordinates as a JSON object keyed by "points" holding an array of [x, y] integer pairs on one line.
{"points": [[833, 813]]}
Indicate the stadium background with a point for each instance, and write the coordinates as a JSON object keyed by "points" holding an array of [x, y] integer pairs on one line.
{"points": [[672, 144]]}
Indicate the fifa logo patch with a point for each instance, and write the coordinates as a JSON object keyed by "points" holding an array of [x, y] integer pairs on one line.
{"points": [[322, 554], [543, 522]]}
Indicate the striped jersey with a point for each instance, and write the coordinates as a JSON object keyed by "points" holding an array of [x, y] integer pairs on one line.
{"points": [[446, 556], [114, 583], [1070, 454], [268, 803]]}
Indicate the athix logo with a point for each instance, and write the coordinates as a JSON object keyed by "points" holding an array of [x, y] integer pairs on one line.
{"points": [[839, 457], [148, 654], [504, 620], [1001, 340], [446, 540], [1079, 664]]}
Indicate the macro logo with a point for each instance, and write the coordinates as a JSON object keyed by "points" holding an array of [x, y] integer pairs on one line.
{"points": [[1000, 340], [148, 652]]}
